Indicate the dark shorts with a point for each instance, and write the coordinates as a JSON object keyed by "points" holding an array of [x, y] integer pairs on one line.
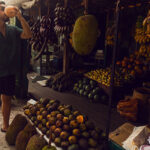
{"points": [[7, 85]]}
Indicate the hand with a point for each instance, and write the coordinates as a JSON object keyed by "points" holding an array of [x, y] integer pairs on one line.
{"points": [[18, 14]]}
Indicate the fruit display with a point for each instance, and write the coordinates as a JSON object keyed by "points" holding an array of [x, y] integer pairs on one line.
{"points": [[85, 34], [67, 127], [141, 35], [41, 30], [36, 143], [128, 109], [89, 88], [24, 136], [103, 76], [62, 82], [64, 19], [15, 127], [36, 40]]}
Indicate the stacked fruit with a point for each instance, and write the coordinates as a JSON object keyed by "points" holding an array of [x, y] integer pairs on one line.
{"points": [[103, 76], [62, 82], [134, 65], [89, 88], [68, 127], [141, 35], [64, 19]]}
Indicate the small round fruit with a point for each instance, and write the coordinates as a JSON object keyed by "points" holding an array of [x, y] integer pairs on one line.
{"points": [[72, 139], [76, 132]]}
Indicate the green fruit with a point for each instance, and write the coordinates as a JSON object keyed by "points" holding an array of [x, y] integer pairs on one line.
{"points": [[80, 82], [85, 81], [96, 97], [75, 89], [90, 96], [81, 92], [44, 122], [36, 143], [85, 34], [87, 88], [67, 112], [47, 147], [73, 147], [93, 83], [85, 93], [92, 142], [85, 134], [76, 85], [15, 127], [80, 86]]}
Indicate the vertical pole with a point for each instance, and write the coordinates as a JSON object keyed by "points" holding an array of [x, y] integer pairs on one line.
{"points": [[65, 56], [106, 48], [113, 69]]}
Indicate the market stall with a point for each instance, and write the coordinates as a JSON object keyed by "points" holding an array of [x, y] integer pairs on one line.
{"points": [[62, 36]]}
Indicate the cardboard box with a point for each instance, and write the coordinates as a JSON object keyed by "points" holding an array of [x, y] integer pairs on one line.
{"points": [[121, 133]]}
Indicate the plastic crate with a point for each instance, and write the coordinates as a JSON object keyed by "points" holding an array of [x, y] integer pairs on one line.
{"points": [[114, 146]]}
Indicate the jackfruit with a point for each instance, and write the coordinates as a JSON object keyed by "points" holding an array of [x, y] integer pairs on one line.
{"points": [[85, 34], [24, 136], [15, 127], [36, 143]]}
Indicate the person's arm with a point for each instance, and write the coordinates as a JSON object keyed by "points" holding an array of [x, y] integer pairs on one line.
{"points": [[26, 33]]}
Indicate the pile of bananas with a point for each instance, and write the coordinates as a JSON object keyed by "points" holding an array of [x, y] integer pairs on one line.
{"points": [[103, 76], [141, 36], [36, 41], [144, 50], [140, 33], [41, 30], [64, 19]]}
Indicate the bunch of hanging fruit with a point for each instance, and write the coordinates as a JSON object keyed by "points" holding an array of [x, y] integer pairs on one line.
{"points": [[42, 30], [64, 19], [69, 128]]}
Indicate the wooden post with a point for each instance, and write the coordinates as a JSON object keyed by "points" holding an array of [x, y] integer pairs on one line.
{"points": [[86, 7], [66, 55], [112, 83]]}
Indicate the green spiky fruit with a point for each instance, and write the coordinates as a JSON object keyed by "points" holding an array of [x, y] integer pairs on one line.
{"points": [[36, 143], [15, 127], [24, 136], [85, 34]]}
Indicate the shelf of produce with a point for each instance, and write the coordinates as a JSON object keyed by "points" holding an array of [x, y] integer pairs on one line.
{"points": [[96, 112], [41, 134]]}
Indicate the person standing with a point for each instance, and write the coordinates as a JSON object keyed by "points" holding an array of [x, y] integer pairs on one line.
{"points": [[10, 37]]}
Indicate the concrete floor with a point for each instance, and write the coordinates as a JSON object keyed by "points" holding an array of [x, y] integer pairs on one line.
{"points": [[16, 109]]}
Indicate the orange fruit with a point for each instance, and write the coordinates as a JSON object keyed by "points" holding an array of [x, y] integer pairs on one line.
{"points": [[132, 73], [129, 66]]}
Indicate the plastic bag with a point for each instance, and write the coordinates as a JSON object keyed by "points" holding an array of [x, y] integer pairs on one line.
{"points": [[138, 138]]}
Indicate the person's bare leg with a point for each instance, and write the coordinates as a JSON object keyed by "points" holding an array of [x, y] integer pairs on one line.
{"points": [[6, 108]]}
